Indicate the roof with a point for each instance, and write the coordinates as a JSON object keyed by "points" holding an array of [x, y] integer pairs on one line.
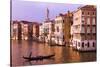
{"points": [[86, 7], [25, 22]]}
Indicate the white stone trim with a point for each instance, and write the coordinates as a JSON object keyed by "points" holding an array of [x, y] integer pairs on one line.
{"points": [[85, 48]]}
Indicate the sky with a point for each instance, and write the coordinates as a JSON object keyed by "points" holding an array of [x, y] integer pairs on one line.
{"points": [[36, 11]]}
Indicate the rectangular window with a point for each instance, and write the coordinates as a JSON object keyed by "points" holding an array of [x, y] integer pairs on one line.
{"points": [[83, 20], [93, 44], [88, 29], [88, 20], [79, 44], [57, 29], [88, 13], [63, 21], [93, 30], [83, 29], [93, 21], [83, 44], [88, 44], [93, 13], [82, 13]]}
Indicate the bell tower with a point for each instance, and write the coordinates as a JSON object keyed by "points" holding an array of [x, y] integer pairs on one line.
{"points": [[47, 15]]}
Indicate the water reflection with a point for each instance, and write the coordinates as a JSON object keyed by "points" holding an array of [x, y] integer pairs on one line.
{"points": [[62, 54]]}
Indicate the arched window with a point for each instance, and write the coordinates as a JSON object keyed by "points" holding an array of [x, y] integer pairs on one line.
{"points": [[79, 44], [93, 13], [82, 44], [63, 21], [88, 13], [93, 44], [88, 44], [82, 13]]}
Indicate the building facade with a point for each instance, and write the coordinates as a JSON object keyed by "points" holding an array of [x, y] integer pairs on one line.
{"points": [[62, 28], [59, 29], [24, 27], [68, 21], [46, 30], [24, 30], [84, 28], [41, 37], [14, 30], [35, 30]]}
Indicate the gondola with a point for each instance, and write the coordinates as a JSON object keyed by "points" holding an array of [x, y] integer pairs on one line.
{"points": [[38, 57]]}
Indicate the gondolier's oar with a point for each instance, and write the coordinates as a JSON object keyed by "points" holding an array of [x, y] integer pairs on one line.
{"points": [[30, 54]]}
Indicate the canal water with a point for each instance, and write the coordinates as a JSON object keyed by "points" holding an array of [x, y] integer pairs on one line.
{"points": [[63, 54]]}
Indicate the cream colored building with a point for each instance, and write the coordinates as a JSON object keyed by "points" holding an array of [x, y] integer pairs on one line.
{"points": [[24, 27], [59, 30], [41, 32], [24, 30], [46, 30], [84, 28]]}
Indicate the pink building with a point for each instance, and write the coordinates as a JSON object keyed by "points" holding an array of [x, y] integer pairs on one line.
{"points": [[83, 29]]}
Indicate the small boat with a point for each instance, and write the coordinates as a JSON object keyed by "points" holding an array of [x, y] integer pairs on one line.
{"points": [[59, 45]]}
